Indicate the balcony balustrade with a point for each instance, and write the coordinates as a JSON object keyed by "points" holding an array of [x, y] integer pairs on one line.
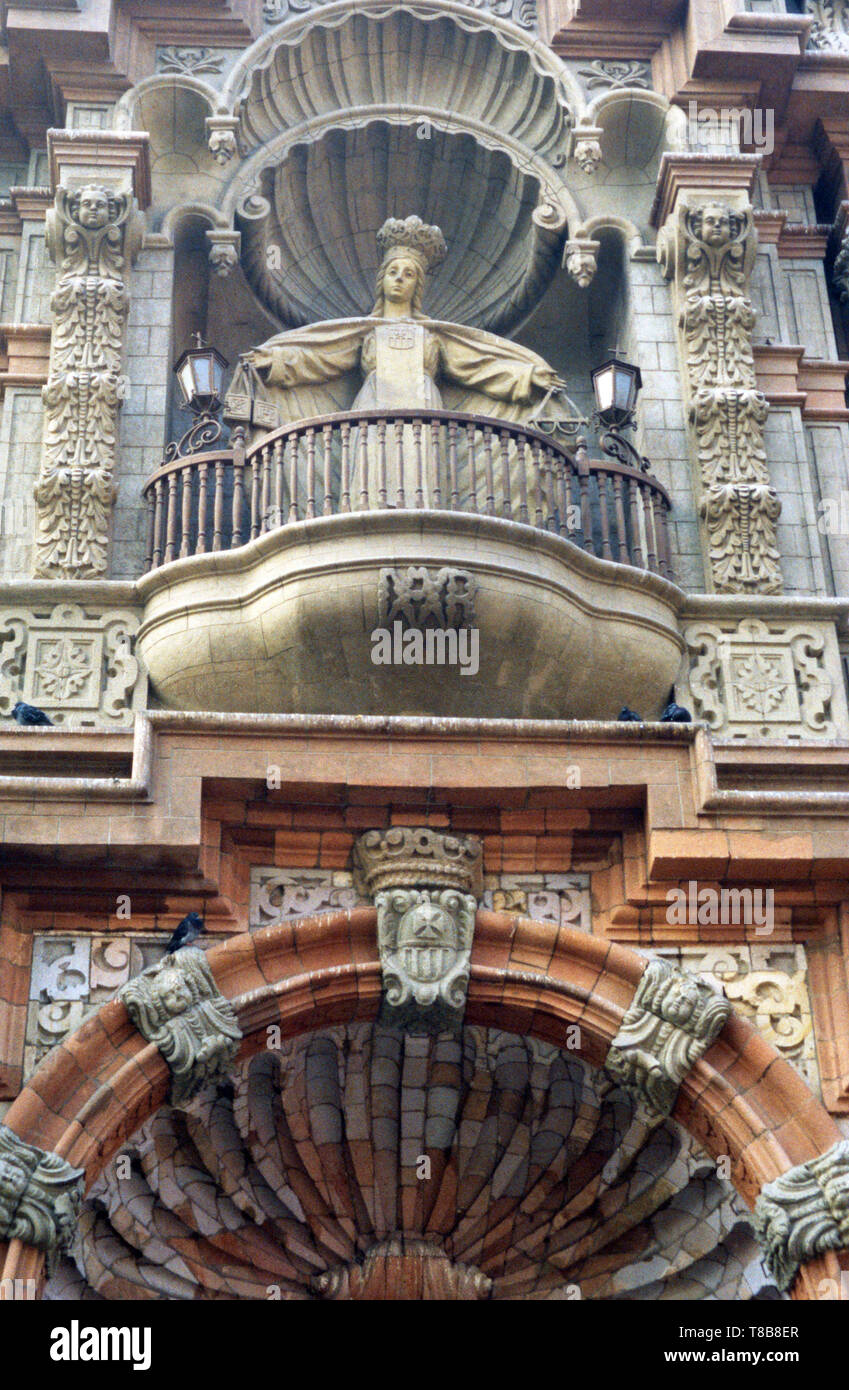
{"points": [[370, 460]]}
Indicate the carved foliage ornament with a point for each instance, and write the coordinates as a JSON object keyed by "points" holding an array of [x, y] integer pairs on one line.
{"points": [[177, 1005], [91, 234], [710, 250], [804, 1213], [766, 678], [672, 1019], [830, 29], [40, 1195], [522, 12], [420, 598]]}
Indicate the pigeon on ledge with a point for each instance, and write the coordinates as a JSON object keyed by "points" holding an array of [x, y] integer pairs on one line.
{"points": [[676, 714], [184, 934], [627, 716], [29, 715]]}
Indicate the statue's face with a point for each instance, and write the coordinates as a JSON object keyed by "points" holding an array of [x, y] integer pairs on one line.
{"points": [[93, 209], [400, 279], [716, 227], [13, 1179]]}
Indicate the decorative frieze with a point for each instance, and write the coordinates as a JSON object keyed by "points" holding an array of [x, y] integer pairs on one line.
{"points": [[76, 663], [615, 73], [708, 247], [188, 61], [282, 895], [92, 234], [421, 598], [804, 1213], [425, 887], [758, 678], [177, 1005], [671, 1021], [522, 12], [40, 1195]]}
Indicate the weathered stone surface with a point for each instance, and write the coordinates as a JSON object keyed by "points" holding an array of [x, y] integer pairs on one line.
{"points": [[177, 1005], [672, 1019], [40, 1195], [804, 1212]]}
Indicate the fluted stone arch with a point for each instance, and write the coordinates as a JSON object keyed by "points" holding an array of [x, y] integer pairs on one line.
{"points": [[740, 1098]]}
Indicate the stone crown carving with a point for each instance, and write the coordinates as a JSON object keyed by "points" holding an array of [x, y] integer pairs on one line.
{"points": [[177, 1005], [804, 1212], [671, 1021], [40, 1195], [404, 857]]}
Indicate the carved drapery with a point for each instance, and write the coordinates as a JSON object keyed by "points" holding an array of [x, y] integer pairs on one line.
{"points": [[804, 1213], [709, 248], [92, 235], [40, 1195], [177, 1005], [425, 887], [671, 1021]]}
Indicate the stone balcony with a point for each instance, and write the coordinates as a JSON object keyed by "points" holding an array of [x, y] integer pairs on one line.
{"points": [[544, 574]]}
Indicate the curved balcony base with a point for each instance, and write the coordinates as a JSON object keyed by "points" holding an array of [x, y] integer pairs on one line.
{"points": [[286, 623]]}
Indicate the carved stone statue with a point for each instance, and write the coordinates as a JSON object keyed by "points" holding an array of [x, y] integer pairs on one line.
{"points": [[40, 1195], [804, 1213], [671, 1021], [509, 376], [178, 1006]]}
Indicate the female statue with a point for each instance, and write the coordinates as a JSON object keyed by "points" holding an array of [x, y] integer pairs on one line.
{"points": [[402, 358]]}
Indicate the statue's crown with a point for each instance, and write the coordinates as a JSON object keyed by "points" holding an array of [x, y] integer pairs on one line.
{"points": [[412, 234], [417, 857]]}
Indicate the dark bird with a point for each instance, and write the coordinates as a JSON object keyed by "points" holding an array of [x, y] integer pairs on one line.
{"points": [[627, 716], [29, 715], [676, 714], [185, 933]]}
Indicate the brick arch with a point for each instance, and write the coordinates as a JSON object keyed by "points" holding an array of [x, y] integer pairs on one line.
{"points": [[741, 1099]]}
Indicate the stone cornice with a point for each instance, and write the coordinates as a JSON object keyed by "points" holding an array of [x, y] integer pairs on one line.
{"points": [[110, 154], [24, 354], [716, 173], [787, 378]]}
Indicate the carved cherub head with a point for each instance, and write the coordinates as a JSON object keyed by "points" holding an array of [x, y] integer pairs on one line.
{"points": [[170, 993], [91, 207], [14, 1180], [712, 224]]}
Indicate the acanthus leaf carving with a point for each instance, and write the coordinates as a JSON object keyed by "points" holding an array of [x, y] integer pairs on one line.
{"points": [[804, 1213], [40, 1195], [710, 251], [91, 233], [177, 1005]]}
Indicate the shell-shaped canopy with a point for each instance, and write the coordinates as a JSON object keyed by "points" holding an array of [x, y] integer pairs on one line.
{"points": [[362, 1161], [309, 238]]}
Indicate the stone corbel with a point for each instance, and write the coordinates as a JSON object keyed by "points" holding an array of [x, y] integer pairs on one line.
{"points": [[425, 886], [221, 137], [224, 248], [671, 1021], [40, 1196], [707, 247], [804, 1213], [177, 1005], [586, 147], [580, 259]]}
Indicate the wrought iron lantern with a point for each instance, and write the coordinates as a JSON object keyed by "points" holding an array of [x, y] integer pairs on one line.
{"points": [[200, 377], [616, 384]]}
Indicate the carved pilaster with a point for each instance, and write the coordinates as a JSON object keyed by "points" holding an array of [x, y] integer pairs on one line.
{"points": [[707, 246], [40, 1195], [425, 887], [92, 235], [671, 1021], [804, 1213], [177, 1005]]}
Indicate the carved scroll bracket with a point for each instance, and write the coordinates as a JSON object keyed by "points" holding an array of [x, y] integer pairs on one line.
{"points": [[40, 1195], [177, 1005], [425, 887], [707, 246], [671, 1021], [804, 1213]]}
